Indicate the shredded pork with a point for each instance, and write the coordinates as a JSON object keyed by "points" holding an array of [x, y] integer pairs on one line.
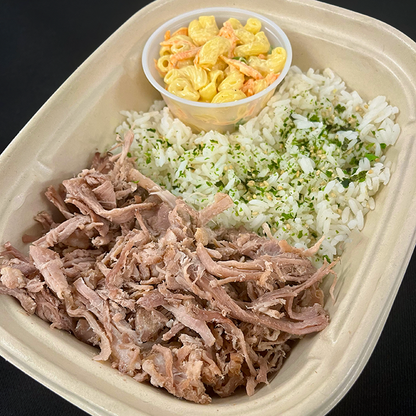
{"points": [[135, 271]]}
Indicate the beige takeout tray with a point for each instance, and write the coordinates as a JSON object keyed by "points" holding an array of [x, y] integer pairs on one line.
{"points": [[81, 116]]}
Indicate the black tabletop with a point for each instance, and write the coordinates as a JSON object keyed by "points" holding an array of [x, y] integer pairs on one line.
{"points": [[42, 42]]}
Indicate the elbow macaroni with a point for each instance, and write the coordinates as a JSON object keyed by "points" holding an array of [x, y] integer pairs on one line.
{"points": [[259, 45], [235, 23], [182, 87], [226, 96], [184, 63], [197, 63], [259, 85], [253, 25], [198, 76], [165, 50], [163, 63], [276, 61], [234, 80], [171, 76], [203, 29], [212, 50], [208, 92], [217, 76], [244, 36]]}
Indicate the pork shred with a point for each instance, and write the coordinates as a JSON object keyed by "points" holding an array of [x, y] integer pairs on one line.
{"points": [[136, 272]]}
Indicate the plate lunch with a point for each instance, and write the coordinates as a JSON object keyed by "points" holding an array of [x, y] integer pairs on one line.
{"points": [[81, 116]]}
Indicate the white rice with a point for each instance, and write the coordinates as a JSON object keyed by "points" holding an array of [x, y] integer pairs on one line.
{"points": [[308, 165]]}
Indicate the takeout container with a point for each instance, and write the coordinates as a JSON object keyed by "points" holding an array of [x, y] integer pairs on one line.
{"points": [[372, 58], [207, 116]]}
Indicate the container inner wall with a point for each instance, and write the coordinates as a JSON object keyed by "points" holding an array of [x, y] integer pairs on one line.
{"points": [[80, 119]]}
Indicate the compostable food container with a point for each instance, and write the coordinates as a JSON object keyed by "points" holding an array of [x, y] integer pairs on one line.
{"points": [[81, 117]]}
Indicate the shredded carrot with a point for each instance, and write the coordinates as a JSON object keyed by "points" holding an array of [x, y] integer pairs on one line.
{"points": [[158, 69], [180, 56], [181, 31]]}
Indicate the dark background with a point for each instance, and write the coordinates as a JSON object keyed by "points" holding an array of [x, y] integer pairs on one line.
{"points": [[41, 43]]}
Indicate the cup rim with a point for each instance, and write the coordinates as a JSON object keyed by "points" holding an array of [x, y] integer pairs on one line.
{"points": [[213, 10]]}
